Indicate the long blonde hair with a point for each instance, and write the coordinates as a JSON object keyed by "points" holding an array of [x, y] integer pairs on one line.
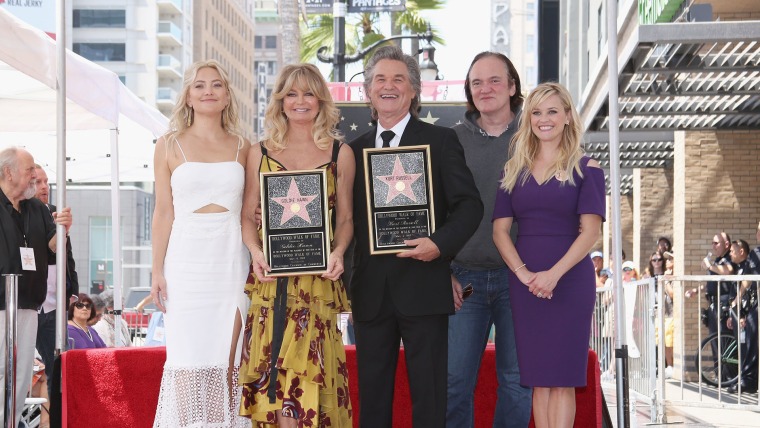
{"points": [[183, 116], [307, 78], [525, 145]]}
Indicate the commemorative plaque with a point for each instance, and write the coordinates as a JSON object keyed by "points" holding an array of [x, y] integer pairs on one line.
{"points": [[399, 197], [294, 221]]}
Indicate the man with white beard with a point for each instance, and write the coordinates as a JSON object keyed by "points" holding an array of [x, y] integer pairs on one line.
{"points": [[27, 232]]}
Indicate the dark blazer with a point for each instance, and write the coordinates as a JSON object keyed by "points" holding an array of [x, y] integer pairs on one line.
{"points": [[417, 288], [72, 278]]}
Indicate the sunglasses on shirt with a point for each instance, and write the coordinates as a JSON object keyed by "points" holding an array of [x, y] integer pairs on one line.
{"points": [[467, 291]]}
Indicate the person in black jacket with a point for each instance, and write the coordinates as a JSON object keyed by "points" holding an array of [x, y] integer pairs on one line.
{"points": [[407, 296], [47, 313], [27, 235]]}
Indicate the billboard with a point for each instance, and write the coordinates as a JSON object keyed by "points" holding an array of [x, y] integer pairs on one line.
{"points": [[357, 6], [37, 13]]}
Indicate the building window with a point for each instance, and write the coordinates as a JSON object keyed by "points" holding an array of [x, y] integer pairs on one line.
{"points": [[123, 79], [530, 43], [271, 67], [101, 51], [257, 42], [271, 42], [101, 253], [100, 18]]}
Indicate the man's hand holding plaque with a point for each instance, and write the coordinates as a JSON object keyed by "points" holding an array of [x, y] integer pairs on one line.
{"points": [[399, 199]]}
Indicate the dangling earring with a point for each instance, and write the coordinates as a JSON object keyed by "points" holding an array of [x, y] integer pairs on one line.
{"points": [[190, 114]]}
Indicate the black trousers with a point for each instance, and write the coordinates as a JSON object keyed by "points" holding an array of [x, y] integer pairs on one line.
{"points": [[425, 341]]}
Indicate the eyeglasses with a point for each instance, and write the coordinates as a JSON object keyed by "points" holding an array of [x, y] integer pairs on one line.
{"points": [[467, 291], [80, 305], [656, 260], [627, 269]]}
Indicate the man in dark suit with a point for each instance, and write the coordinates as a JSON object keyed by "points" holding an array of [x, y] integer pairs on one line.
{"points": [[46, 320], [407, 296]]}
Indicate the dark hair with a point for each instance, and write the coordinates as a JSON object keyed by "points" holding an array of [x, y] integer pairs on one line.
{"points": [[394, 53], [515, 101], [651, 266], [83, 298], [667, 241], [743, 245]]}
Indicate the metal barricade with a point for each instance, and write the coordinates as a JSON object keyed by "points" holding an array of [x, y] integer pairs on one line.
{"points": [[710, 362], [639, 298]]}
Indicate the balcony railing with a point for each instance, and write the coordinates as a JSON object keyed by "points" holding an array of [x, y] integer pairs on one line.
{"points": [[166, 96], [168, 29], [168, 63], [170, 6]]}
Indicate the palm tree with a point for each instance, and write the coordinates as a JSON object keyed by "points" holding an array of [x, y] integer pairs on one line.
{"points": [[290, 31], [362, 29]]}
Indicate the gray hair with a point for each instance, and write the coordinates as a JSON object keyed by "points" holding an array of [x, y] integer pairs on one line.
{"points": [[107, 297], [8, 159], [97, 302], [395, 53]]}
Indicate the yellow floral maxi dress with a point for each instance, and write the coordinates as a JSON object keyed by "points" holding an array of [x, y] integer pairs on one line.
{"points": [[312, 378]]}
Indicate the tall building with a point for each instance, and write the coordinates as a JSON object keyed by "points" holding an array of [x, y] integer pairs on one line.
{"points": [[514, 33], [148, 44], [223, 31], [267, 53], [688, 95]]}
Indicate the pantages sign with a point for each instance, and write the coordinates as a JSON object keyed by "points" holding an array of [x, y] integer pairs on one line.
{"points": [[356, 6]]}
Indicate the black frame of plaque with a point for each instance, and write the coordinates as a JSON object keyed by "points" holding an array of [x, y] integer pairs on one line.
{"points": [[295, 234], [376, 246]]}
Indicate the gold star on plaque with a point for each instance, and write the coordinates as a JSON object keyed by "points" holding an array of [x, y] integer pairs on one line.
{"points": [[354, 126], [429, 118]]}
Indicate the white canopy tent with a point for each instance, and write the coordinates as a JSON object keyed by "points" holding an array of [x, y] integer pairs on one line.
{"points": [[102, 118]]}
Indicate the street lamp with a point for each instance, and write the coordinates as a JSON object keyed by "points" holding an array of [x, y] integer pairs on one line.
{"points": [[428, 67], [339, 61]]}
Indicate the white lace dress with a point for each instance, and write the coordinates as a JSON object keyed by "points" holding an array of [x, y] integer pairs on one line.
{"points": [[206, 267]]}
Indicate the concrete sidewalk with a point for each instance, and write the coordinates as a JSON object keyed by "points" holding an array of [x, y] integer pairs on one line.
{"points": [[691, 407]]}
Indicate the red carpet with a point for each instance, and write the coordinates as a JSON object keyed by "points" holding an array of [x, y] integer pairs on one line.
{"points": [[119, 388]]}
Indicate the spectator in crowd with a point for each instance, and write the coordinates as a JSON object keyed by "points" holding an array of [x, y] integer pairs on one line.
{"points": [[663, 245], [46, 318], [81, 335], [28, 234], [492, 87], [40, 390], [598, 259], [718, 293], [655, 266], [745, 310], [668, 312], [106, 327], [100, 308], [408, 296]]}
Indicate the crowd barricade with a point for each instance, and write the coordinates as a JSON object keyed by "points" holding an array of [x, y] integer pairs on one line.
{"points": [[639, 302], [706, 363]]}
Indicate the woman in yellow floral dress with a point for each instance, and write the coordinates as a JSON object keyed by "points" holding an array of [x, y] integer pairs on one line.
{"points": [[307, 384]]}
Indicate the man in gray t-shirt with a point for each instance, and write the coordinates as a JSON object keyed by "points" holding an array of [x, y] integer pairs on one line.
{"points": [[494, 99]]}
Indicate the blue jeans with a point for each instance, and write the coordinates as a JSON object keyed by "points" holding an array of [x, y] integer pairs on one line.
{"points": [[468, 334]]}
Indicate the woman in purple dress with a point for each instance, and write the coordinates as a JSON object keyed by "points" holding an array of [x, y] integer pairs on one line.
{"points": [[81, 335], [557, 196]]}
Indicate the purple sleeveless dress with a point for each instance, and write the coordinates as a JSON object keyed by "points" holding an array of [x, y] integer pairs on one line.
{"points": [[552, 336]]}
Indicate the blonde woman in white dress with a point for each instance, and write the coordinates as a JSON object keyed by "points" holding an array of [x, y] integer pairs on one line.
{"points": [[199, 261]]}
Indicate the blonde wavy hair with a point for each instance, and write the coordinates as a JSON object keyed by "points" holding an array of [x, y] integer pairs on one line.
{"points": [[305, 77], [525, 146], [182, 116]]}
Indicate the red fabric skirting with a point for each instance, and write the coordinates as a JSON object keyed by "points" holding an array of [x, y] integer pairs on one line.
{"points": [[119, 388]]}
